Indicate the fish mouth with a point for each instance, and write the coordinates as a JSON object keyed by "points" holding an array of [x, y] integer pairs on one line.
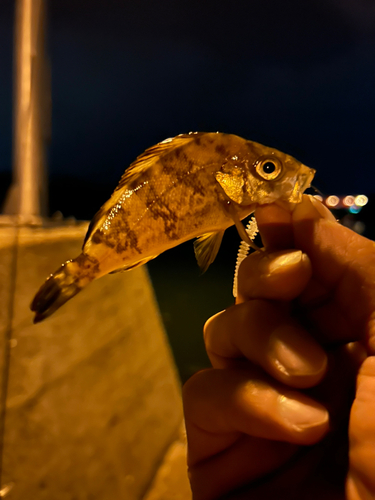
{"points": [[305, 176]]}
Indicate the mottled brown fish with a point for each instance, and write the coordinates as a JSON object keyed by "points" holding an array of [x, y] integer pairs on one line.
{"points": [[194, 185]]}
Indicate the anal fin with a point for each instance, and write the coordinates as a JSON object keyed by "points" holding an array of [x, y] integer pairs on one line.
{"points": [[206, 248]]}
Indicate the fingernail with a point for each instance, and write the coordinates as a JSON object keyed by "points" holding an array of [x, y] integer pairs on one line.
{"points": [[295, 355], [322, 209], [302, 415], [281, 260], [311, 208]]}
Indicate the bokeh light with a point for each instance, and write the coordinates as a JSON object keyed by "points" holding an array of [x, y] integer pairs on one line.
{"points": [[359, 227], [354, 209], [361, 200], [348, 201], [332, 201]]}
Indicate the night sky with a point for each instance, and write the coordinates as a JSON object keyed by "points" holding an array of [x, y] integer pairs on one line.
{"points": [[299, 76]]}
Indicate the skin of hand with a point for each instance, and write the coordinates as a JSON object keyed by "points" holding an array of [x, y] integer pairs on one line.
{"points": [[288, 409]]}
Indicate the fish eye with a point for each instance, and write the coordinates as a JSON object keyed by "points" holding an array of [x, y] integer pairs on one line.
{"points": [[268, 168]]}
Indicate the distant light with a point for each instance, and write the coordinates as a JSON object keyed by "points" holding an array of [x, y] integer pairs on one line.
{"points": [[318, 197], [361, 200], [332, 201], [354, 209], [359, 227], [348, 201]]}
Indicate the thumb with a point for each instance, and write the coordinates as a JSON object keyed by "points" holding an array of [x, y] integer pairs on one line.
{"points": [[276, 222], [333, 249], [341, 293], [343, 264]]}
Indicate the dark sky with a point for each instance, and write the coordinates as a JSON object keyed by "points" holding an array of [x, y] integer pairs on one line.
{"points": [[296, 75]]}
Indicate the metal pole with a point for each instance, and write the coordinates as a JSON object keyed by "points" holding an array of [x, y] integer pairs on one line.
{"points": [[28, 194]]}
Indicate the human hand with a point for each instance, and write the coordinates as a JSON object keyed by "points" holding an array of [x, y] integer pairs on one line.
{"points": [[270, 419]]}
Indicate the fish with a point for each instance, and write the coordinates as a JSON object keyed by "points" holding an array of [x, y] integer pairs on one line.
{"points": [[194, 185]]}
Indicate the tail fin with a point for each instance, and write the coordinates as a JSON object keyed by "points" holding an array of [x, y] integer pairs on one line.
{"points": [[62, 285]]}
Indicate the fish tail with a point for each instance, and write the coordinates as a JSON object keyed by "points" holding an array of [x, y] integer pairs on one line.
{"points": [[61, 286]]}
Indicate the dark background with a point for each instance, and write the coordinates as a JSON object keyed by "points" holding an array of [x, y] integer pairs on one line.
{"points": [[299, 76]]}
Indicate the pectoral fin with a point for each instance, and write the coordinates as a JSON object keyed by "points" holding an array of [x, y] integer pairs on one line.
{"points": [[240, 227], [206, 248]]}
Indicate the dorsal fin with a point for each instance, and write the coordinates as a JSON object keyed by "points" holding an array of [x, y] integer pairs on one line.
{"points": [[151, 154], [92, 224], [206, 248], [138, 166]]}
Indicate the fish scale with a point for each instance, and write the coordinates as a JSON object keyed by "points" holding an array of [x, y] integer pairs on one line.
{"points": [[191, 186]]}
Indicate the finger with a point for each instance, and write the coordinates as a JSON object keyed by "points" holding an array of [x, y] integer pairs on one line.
{"points": [[275, 227], [343, 265], [223, 404], [361, 478], [265, 334], [217, 466], [336, 391], [245, 461], [276, 222], [279, 275]]}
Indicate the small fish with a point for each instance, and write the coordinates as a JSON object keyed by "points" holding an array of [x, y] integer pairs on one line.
{"points": [[192, 185]]}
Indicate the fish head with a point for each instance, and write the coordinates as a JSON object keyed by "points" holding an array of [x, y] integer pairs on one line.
{"points": [[259, 175]]}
